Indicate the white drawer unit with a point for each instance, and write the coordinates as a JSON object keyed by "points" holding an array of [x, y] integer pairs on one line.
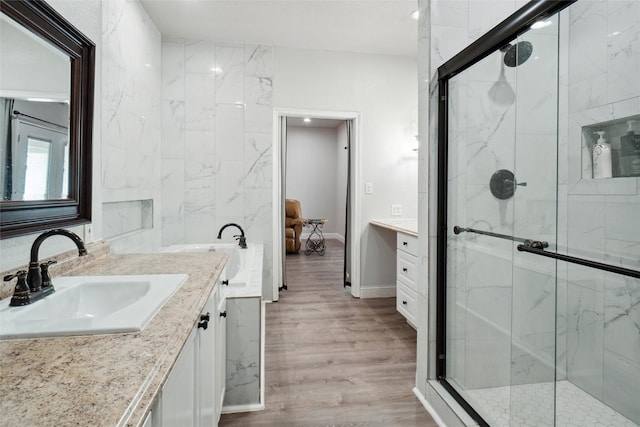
{"points": [[406, 303], [407, 276], [408, 243], [406, 269]]}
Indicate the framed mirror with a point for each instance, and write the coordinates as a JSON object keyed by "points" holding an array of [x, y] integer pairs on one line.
{"points": [[46, 112]]}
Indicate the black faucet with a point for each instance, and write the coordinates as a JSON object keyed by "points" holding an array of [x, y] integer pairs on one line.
{"points": [[36, 284], [242, 241]]}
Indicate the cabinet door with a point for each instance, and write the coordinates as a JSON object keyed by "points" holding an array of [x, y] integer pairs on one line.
{"points": [[205, 362], [178, 394]]}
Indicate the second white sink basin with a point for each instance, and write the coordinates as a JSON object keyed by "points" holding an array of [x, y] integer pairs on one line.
{"points": [[89, 305]]}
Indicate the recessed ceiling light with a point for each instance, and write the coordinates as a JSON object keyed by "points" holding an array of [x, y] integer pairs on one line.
{"points": [[615, 33], [540, 24], [415, 14], [307, 120]]}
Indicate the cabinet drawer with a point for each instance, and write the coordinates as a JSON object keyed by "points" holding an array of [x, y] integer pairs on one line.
{"points": [[407, 243], [407, 269], [406, 302]]}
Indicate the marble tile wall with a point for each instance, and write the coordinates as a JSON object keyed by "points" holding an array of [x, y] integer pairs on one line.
{"points": [[217, 106], [243, 355], [131, 120]]}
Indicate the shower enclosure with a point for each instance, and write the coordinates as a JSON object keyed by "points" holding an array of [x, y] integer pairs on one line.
{"points": [[538, 317]]}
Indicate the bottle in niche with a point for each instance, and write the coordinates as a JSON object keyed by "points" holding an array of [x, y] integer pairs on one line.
{"points": [[602, 158], [630, 152]]}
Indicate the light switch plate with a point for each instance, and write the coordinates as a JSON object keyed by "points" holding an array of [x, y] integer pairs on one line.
{"points": [[368, 188], [396, 210]]}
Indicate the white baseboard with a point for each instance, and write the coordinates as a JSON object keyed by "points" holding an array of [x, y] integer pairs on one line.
{"points": [[252, 407], [388, 291], [429, 408]]}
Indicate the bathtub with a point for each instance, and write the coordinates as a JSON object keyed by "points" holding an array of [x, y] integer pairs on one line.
{"points": [[243, 269]]}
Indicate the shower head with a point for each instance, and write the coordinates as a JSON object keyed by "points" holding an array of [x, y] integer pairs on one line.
{"points": [[517, 54]]}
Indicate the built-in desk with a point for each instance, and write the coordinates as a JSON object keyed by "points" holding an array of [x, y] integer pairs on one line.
{"points": [[406, 264]]}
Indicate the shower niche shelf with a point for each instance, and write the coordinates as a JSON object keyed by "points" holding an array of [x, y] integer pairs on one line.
{"points": [[625, 152], [614, 120]]}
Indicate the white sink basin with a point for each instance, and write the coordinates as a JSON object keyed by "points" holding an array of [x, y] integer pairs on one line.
{"points": [[90, 305]]}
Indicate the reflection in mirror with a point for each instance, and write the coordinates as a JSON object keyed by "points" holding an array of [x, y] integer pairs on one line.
{"points": [[34, 116], [46, 113], [34, 150]]}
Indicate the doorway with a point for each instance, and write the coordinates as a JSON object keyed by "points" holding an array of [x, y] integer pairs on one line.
{"points": [[344, 226]]}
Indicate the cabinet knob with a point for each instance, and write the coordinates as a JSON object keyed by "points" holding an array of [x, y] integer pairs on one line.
{"points": [[223, 314], [404, 243], [204, 324], [404, 303], [225, 282], [206, 317], [404, 269]]}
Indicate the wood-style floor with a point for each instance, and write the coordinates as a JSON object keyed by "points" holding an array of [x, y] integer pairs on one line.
{"points": [[334, 360]]}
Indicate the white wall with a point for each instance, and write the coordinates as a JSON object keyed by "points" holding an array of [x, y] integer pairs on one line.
{"points": [[382, 89], [312, 173]]}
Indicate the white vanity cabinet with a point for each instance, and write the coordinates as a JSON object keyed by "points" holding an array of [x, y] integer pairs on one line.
{"points": [[194, 390], [407, 276]]}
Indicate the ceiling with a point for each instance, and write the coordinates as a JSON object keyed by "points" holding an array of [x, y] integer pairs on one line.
{"points": [[366, 26]]}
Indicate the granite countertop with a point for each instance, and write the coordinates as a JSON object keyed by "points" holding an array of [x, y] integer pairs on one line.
{"points": [[408, 226], [106, 380]]}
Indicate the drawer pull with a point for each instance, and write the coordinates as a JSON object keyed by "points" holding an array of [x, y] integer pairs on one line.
{"points": [[206, 317], [404, 243], [223, 314], [404, 269], [404, 302], [204, 324], [225, 282]]}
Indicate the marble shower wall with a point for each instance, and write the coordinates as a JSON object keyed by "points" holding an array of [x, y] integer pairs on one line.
{"points": [[217, 107], [131, 126], [602, 41]]}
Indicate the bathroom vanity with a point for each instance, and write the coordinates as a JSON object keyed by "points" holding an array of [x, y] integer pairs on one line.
{"points": [[406, 264], [127, 379]]}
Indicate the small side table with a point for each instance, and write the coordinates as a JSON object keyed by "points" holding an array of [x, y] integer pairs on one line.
{"points": [[315, 241]]}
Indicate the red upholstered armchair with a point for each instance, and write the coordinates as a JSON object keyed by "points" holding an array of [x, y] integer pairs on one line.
{"points": [[293, 223]]}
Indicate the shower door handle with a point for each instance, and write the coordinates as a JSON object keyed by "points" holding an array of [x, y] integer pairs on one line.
{"points": [[536, 247]]}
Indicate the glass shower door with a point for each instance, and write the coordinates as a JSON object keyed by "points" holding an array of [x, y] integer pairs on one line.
{"points": [[501, 190], [535, 294]]}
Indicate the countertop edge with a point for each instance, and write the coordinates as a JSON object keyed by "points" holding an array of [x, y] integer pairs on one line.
{"points": [[408, 226]]}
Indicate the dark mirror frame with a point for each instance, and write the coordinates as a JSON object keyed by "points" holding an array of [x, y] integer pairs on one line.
{"points": [[25, 217]]}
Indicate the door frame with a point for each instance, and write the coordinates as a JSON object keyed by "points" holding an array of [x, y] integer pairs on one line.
{"points": [[354, 179]]}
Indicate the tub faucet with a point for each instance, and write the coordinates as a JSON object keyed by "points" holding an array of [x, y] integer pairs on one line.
{"points": [[242, 241]]}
